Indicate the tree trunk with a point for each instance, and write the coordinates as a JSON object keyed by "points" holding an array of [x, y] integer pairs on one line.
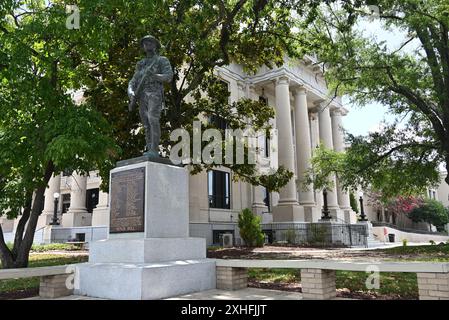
{"points": [[21, 225], [21, 260], [5, 254]]}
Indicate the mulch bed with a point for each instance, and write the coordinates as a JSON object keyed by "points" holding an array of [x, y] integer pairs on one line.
{"points": [[295, 252], [341, 293], [19, 294]]}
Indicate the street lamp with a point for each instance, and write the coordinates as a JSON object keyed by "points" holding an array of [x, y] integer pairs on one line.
{"points": [[54, 221], [362, 211], [325, 211]]}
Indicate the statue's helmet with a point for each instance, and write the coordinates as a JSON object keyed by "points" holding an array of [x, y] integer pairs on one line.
{"points": [[151, 39]]}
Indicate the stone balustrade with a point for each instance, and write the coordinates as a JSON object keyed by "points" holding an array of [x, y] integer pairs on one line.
{"points": [[318, 279], [54, 281]]}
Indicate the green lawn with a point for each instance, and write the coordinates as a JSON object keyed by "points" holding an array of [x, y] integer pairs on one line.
{"points": [[50, 247], [419, 253], [37, 260]]}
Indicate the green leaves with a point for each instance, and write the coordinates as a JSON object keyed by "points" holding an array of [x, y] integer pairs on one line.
{"points": [[250, 229], [432, 212], [411, 77], [394, 162], [40, 127]]}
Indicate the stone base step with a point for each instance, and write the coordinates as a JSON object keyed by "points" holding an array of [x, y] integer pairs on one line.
{"points": [[128, 281]]}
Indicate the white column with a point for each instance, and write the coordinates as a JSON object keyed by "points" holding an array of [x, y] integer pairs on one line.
{"points": [[339, 146], [315, 137], [78, 188], [258, 205], [303, 152], [77, 215], [100, 215], [303, 145], [326, 138], [288, 207], [54, 186]]}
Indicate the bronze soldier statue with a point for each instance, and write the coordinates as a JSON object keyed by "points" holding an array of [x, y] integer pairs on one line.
{"points": [[147, 89]]}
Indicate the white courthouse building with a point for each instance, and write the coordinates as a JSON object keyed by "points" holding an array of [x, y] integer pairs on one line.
{"points": [[304, 116]]}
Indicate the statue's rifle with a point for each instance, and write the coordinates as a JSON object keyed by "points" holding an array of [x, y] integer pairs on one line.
{"points": [[132, 102]]}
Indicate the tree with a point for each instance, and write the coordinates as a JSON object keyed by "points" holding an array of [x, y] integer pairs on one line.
{"points": [[401, 206], [250, 229], [41, 130], [42, 62], [198, 37], [412, 79], [431, 211]]}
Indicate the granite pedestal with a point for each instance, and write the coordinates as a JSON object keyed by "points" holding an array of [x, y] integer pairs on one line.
{"points": [[149, 254]]}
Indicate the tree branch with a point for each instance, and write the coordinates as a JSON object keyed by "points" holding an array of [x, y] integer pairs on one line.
{"points": [[394, 149]]}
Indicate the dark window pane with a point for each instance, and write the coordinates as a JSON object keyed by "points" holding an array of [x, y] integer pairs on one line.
{"points": [[92, 199], [266, 199], [65, 202], [219, 189], [267, 135]]}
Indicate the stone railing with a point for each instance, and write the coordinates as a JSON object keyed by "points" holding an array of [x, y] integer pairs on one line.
{"points": [[318, 279], [54, 281]]}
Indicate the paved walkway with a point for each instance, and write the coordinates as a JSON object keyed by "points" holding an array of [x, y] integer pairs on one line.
{"points": [[215, 294], [245, 294]]}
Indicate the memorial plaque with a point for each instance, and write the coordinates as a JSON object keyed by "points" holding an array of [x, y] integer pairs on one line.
{"points": [[127, 201]]}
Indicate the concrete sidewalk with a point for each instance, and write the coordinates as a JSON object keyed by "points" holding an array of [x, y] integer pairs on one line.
{"points": [[245, 294], [215, 294]]}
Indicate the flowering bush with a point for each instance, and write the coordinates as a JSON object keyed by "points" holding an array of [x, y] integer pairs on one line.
{"points": [[404, 204]]}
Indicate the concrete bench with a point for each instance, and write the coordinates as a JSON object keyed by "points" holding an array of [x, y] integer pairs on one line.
{"points": [[53, 280], [318, 279]]}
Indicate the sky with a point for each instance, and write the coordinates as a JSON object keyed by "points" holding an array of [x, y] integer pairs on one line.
{"points": [[362, 120]]}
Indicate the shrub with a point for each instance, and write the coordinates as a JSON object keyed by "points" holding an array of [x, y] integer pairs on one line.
{"points": [[53, 247], [290, 236], [432, 212], [250, 230], [404, 242]]}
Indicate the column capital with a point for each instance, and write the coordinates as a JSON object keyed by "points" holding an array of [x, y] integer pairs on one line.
{"points": [[299, 90], [241, 85], [338, 111], [319, 106], [282, 80], [312, 115]]}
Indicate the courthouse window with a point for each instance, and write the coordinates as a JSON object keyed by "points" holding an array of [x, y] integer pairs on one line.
{"points": [[266, 199], [65, 202], [92, 199], [219, 189], [266, 141]]}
